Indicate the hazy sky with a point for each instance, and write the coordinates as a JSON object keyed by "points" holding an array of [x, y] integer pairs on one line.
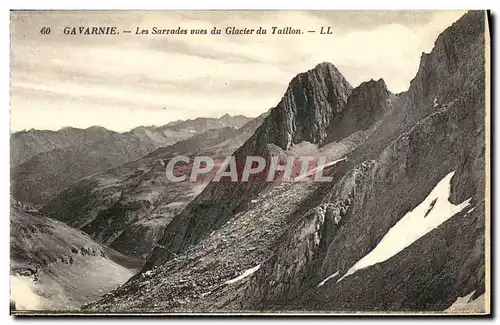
{"points": [[127, 80]]}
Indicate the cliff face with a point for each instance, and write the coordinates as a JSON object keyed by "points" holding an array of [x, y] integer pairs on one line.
{"points": [[450, 67], [320, 107], [367, 104], [304, 113], [366, 203], [372, 202], [400, 227]]}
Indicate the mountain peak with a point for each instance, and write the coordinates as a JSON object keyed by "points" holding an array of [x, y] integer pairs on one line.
{"points": [[323, 69], [310, 102], [325, 65], [371, 85], [367, 104], [96, 129]]}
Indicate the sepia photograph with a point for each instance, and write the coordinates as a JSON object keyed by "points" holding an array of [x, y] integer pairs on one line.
{"points": [[258, 162]]}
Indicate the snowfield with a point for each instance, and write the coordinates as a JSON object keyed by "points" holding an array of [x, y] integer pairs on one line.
{"points": [[434, 210]]}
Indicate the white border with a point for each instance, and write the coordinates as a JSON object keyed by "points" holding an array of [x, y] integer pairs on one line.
{"points": [[226, 4], [256, 4]]}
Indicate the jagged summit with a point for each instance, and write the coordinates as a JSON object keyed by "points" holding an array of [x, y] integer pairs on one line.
{"points": [[233, 120], [322, 71], [325, 65], [311, 101], [380, 84], [367, 104]]}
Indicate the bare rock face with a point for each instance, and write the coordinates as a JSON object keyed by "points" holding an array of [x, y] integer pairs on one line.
{"points": [[449, 67], [304, 113], [367, 104], [315, 253], [362, 207]]}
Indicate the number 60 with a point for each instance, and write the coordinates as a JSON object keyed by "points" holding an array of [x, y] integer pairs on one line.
{"points": [[45, 31]]}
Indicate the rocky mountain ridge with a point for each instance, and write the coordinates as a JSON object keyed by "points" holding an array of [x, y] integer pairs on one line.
{"points": [[310, 102], [46, 162], [27, 143]]}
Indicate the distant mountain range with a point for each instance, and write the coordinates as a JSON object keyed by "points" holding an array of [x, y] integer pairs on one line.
{"points": [[45, 162]]}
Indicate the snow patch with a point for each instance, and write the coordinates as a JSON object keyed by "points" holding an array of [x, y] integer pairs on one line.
{"points": [[22, 292], [328, 278], [244, 275], [335, 162], [176, 205], [414, 225], [313, 171], [466, 305], [198, 188]]}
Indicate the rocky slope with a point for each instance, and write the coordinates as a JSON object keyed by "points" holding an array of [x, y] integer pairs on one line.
{"points": [[403, 217], [46, 162], [127, 206], [57, 267]]}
